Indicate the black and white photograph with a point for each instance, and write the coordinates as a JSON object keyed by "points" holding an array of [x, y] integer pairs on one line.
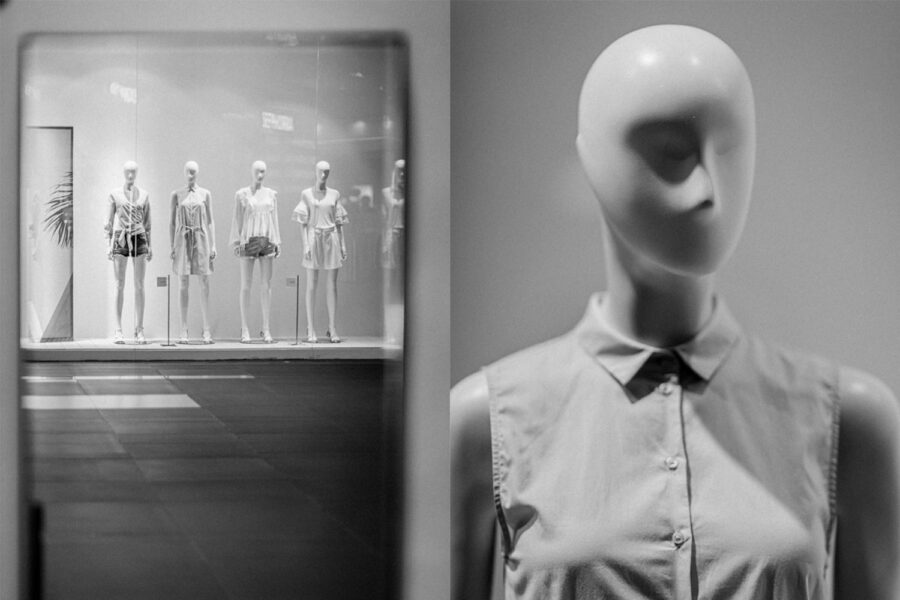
{"points": [[449, 300], [673, 332]]}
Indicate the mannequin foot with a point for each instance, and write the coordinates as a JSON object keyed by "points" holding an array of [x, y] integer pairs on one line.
{"points": [[245, 336], [311, 336], [139, 336], [334, 337], [118, 337], [207, 337], [266, 337], [184, 337]]}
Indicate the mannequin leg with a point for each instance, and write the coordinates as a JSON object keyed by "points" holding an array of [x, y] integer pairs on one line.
{"points": [[265, 295], [120, 265], [185, 298], [331, 301], [204, 301], [312, 281], [246, 283], [140, 268]]}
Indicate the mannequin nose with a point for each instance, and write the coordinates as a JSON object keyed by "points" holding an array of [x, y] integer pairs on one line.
{"points": [[698, 189]]}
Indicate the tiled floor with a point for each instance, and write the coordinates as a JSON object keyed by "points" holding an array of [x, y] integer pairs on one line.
{"points": [[227, 480]]}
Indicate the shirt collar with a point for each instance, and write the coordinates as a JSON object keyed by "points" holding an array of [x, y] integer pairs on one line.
{"points": [[623, 357]]}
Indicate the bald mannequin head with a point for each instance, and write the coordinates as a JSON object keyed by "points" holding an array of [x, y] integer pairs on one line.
{"points": [[191, 168], [323, 170], [666, 136], [398, 177], [259, 171], [129, 169]]}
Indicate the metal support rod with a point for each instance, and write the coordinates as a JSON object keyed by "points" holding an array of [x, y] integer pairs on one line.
{"points": [[297, 315], [168, 343]]}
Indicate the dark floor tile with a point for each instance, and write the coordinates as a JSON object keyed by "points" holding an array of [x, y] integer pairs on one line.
{"points": [[75, 469], [282, 518], [118, 415], [74, 445], [315, 442], [289, 569], [70, 521], [206, 469], [94, 491], [149, 426], [128, 569], [266, 424], [221, 446], [65, 421], [241, 490]]}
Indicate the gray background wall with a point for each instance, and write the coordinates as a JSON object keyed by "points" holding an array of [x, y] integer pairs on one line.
{"points": [[817, 267]]}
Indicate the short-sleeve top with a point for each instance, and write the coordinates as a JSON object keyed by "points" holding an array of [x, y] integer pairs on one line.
{"points": [[707, 470], [129, 212], [320, 213], [255, 215]]}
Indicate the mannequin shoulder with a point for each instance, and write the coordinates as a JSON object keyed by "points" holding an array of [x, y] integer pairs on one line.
{"points": [[870, 413], [470, 412]]}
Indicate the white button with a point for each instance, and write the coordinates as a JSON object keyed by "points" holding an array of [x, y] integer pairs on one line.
{"points": [[678, 538], [672, 463], [667, 387]]}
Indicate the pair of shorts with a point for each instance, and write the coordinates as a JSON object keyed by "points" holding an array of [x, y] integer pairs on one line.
{"points": [[131, 244], [257, 247]]}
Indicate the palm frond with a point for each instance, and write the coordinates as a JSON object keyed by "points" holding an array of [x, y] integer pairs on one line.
{"points": [[60, 212]]}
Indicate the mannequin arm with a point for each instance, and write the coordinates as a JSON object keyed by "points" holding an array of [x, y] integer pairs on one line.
{"points": [[110, 223], [147, 223], [868, 536], [173, 210], [236, 224], [472, 507], [212, 225], [340, 232], [304, 234]]}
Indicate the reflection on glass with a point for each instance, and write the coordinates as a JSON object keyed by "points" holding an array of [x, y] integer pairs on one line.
{"points": [[296, 143]]}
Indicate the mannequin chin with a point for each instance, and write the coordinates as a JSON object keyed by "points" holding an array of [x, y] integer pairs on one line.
{"points": [[666, 136]]}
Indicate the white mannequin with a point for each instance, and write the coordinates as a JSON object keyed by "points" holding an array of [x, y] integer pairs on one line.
{"points": [[120, 248], [668, 148], [191, 169], [392, 251], [265, 195], [318, 248]]}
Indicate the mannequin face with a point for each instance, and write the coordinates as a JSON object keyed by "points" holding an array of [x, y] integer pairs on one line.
{"points": [[323, 170], [259, 172], [666, 136], [190, 172], [130, 171]]}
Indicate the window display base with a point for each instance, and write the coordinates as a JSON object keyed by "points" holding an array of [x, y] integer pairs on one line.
{"points": [[352, 348]]}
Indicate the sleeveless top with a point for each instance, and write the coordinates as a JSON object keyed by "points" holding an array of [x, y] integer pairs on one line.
{"points": [[622, 471]]}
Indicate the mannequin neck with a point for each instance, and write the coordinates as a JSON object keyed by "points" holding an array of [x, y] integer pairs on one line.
{"points": [[321, 187], [650, 304], [256, 185], [129, 185]]}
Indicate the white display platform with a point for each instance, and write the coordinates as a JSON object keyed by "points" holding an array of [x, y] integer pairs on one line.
{"points": [[105, 350]]}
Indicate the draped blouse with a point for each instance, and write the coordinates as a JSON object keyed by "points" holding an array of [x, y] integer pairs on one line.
{"points": [[255, 214], [320, 213], [128, 213], [707, 470]]}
